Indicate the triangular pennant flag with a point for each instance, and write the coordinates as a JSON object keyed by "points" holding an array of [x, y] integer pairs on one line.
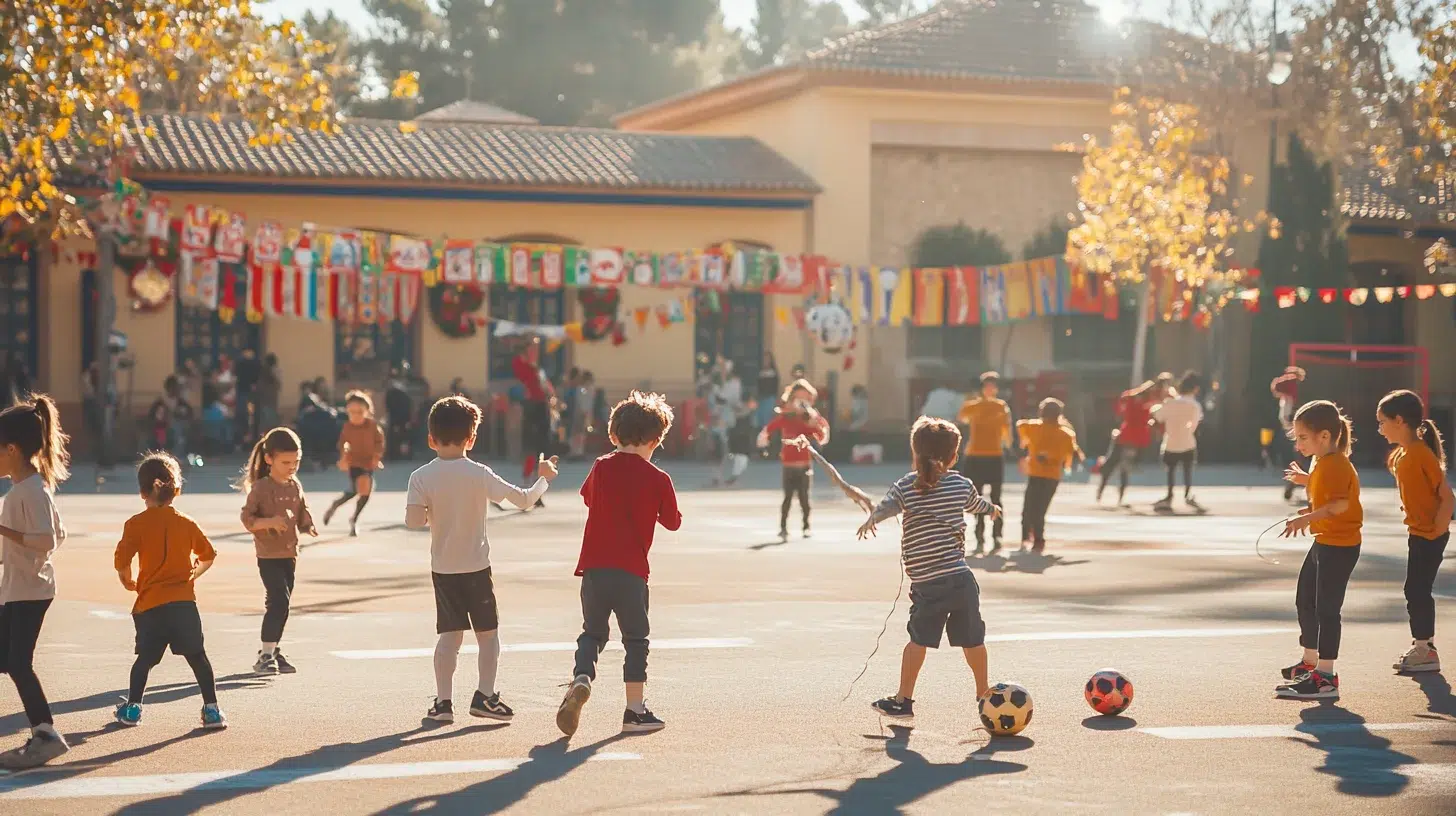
{"points": [[798, 313], [1448, 289], [1425, 291], [1303, 292], [664, 317], [1384, 294], [781, 315], [1328, 295], [677, 311], [1357, 297], [640, 315], [1284, 296]]}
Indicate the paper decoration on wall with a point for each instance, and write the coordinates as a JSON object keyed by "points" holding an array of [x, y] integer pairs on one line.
{"points": [[196, 228], [831, 325], [963, 296], [552, 274], [862, 295], [459, 266], [643, 268], [606, 267], [232, 238], [929, 297], [993, 295]]}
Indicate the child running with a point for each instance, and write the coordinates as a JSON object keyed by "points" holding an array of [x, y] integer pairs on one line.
{"points": [[796, 417], [33, 456], [988, 423], [1131, 436], [275, 512], [1050, 444], [1419, 465], [164, 542], [944, 596], [1180, 417], [1334, 517], [626, 498], [449, 496], [361, 447]]}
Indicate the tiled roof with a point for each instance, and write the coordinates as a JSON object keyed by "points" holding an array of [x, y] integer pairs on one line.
{"points": [[1062, 40], [468, 111], [1378, 195], [478, 155]]}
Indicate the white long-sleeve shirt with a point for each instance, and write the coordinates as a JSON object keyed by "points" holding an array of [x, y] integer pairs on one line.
{"points": [[1180, 418]]}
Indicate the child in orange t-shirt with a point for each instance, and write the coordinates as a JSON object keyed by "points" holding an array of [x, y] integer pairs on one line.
{"points": [[1050, 444], [1419, 465], [1333, 517], [165, 541], [361, 450]]}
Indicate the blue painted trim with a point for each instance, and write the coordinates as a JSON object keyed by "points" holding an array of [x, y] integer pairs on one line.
{"points": [[458, 194]]}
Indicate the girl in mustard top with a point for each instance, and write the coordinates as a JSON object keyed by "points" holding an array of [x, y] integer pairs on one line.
{"points": [[1333, 518], [1419, 465], [1050, 444]]}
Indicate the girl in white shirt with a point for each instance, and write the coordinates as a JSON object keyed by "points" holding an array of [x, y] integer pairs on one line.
{"points": [[1180, 418], [33, 456]]}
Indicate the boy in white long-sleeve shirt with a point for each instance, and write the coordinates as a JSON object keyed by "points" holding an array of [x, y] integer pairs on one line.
{"points": [[1180, 418], [450, 496]]}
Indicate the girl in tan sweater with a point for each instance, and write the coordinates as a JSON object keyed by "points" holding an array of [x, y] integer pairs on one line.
{"points": [[361, 447]]}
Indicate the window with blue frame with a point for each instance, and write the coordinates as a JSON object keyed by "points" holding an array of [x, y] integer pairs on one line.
{"points": [[203, 337], [531, 307], [19, 295]]}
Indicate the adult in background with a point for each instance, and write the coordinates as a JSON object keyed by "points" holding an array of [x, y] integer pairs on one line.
{"points": [[246, 373], [268, 394], [398, 409], [725, 402], [535, 408], [767, 391]]}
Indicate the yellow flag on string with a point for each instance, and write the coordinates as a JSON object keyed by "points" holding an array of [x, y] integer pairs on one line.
{"points": [[902, 303], [1018, 291]]}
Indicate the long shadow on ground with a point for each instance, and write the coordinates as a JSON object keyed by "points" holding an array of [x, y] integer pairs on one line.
{"points": [[1363, 762], [165, 693]]}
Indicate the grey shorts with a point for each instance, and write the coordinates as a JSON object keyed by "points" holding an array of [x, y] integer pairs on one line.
{"points": [[949, 604]]}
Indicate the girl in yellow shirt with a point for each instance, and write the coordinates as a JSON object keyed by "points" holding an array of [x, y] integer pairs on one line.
{"points": [[1419, 464], [1333, 517]]}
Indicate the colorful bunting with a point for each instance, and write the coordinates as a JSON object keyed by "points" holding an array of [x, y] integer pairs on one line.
{"points": [[964, 298], [929, 297]]}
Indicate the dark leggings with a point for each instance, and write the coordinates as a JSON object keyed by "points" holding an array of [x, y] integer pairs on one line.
{"points": [[1187, 476], [277, 575], [1121, 458], [1420, 577], [1322, 583], [20, 623], [201, 669], [797, 482], [988, 473], [1038, 499]]}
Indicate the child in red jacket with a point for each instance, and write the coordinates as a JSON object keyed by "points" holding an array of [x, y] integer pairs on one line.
{"points": [[796, 417], [626, 498]]}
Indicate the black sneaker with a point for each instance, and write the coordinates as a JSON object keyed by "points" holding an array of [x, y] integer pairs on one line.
{"points": [[783, 535], [441, 711], [266, 664], [490, 707], [1315, 685], [540, 504], [284, 667], [1296, 671], [646, 722], [568, 715], [896, 707], [807, 531]]}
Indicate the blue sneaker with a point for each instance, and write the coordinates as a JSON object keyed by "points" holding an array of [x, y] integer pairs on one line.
{"points": [[129, 714], [212, 717]]}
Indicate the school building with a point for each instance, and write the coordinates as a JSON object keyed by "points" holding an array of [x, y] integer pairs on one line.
{"points": [[853, 153]]}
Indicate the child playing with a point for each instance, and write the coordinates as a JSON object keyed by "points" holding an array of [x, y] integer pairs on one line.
{"points": [[449, 497], [1419, 465], [33, 456], [796, 417], [1180, 418], [165, 613], [626, 498], [1050, 444], [1131, 436], [275, 512], [1334, 517], [988, 423], [944, 596], [361, 447]]}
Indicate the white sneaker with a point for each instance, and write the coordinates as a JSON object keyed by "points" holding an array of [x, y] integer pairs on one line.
{"points": [[568, 716], [1418, 659], [42, 747]]}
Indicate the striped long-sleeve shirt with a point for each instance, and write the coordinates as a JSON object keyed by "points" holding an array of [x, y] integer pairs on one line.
{"points": [[934, 527]]}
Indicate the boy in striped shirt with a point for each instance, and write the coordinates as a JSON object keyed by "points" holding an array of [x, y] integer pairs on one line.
{"points": [[944, 596]]}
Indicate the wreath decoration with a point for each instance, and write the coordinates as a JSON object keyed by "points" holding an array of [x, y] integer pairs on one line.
{"points": [[455, 308], [599, 314]]}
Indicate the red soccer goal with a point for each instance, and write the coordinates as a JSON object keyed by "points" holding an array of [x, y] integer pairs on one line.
{"points": [[1355, 377]]}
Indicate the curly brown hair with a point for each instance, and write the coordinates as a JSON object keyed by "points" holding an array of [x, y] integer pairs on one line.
{"points": [[642, 418], [453, 420]]}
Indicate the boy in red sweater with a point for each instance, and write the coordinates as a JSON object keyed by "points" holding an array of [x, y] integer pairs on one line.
{"points": [[626, 498], [796, 418]]}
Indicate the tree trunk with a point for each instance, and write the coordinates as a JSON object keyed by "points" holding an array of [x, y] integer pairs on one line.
{"points": [[1140, 344], [105, 320]]}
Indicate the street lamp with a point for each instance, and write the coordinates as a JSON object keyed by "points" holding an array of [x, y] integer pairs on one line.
{"points": [[1281, 58]]}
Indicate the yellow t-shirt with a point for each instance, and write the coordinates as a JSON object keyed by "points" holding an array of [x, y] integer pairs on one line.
{"points": [[989, 421], [1049, 447], [1418, 477], [1334, 478]]}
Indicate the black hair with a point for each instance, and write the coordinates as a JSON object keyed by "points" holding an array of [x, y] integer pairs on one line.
{"points": [[1407, 407], [34, 426]]}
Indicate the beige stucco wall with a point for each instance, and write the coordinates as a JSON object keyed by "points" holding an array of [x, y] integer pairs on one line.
{"points": [[1430, 324], [306, 349]]}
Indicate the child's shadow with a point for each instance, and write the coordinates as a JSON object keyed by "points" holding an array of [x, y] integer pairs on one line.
{"points": [[1439, 699], [1033, 563], [1364, 763]]}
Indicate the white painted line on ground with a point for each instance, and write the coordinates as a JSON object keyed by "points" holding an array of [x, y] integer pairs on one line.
{"points": [[107, 614], [96, 786], [1135, 634], [559, 646], [1218, 732]]}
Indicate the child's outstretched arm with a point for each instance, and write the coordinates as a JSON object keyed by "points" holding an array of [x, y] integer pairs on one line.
{"points": [[500, 490], [855, 495], [889, 507]]}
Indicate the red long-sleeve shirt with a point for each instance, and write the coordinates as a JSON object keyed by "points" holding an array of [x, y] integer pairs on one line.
{"points": [[626, 498], [792, 426], [1136, 411]]}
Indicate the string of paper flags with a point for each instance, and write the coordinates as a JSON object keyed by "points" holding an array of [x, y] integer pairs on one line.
{"points": [[1286, 297]]}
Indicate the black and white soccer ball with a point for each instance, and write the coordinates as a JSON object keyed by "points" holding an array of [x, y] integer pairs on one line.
{"points": [[832, 325], [1006, 709]]}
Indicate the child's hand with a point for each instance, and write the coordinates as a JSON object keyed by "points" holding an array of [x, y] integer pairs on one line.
{"points": [[126, 580], [343, 465], [995, 512], [279, 524], [801, 442], [860, 497], [313, 531], [547, 468], [1296, 526], [867, 529], [1296, 474], [762, 441]]}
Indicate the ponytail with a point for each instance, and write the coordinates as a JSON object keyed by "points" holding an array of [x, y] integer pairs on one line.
{"points": [[928, 472], [1431, 435], [1323, 415], [1408, 407], [159, 477], [278, 440], [34, 426]]}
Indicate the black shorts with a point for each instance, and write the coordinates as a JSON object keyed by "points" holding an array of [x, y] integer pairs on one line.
{"points": [[176, 624], [983, 470], [1186, 457], [355, 473], [464, 601], [949, 604]]}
